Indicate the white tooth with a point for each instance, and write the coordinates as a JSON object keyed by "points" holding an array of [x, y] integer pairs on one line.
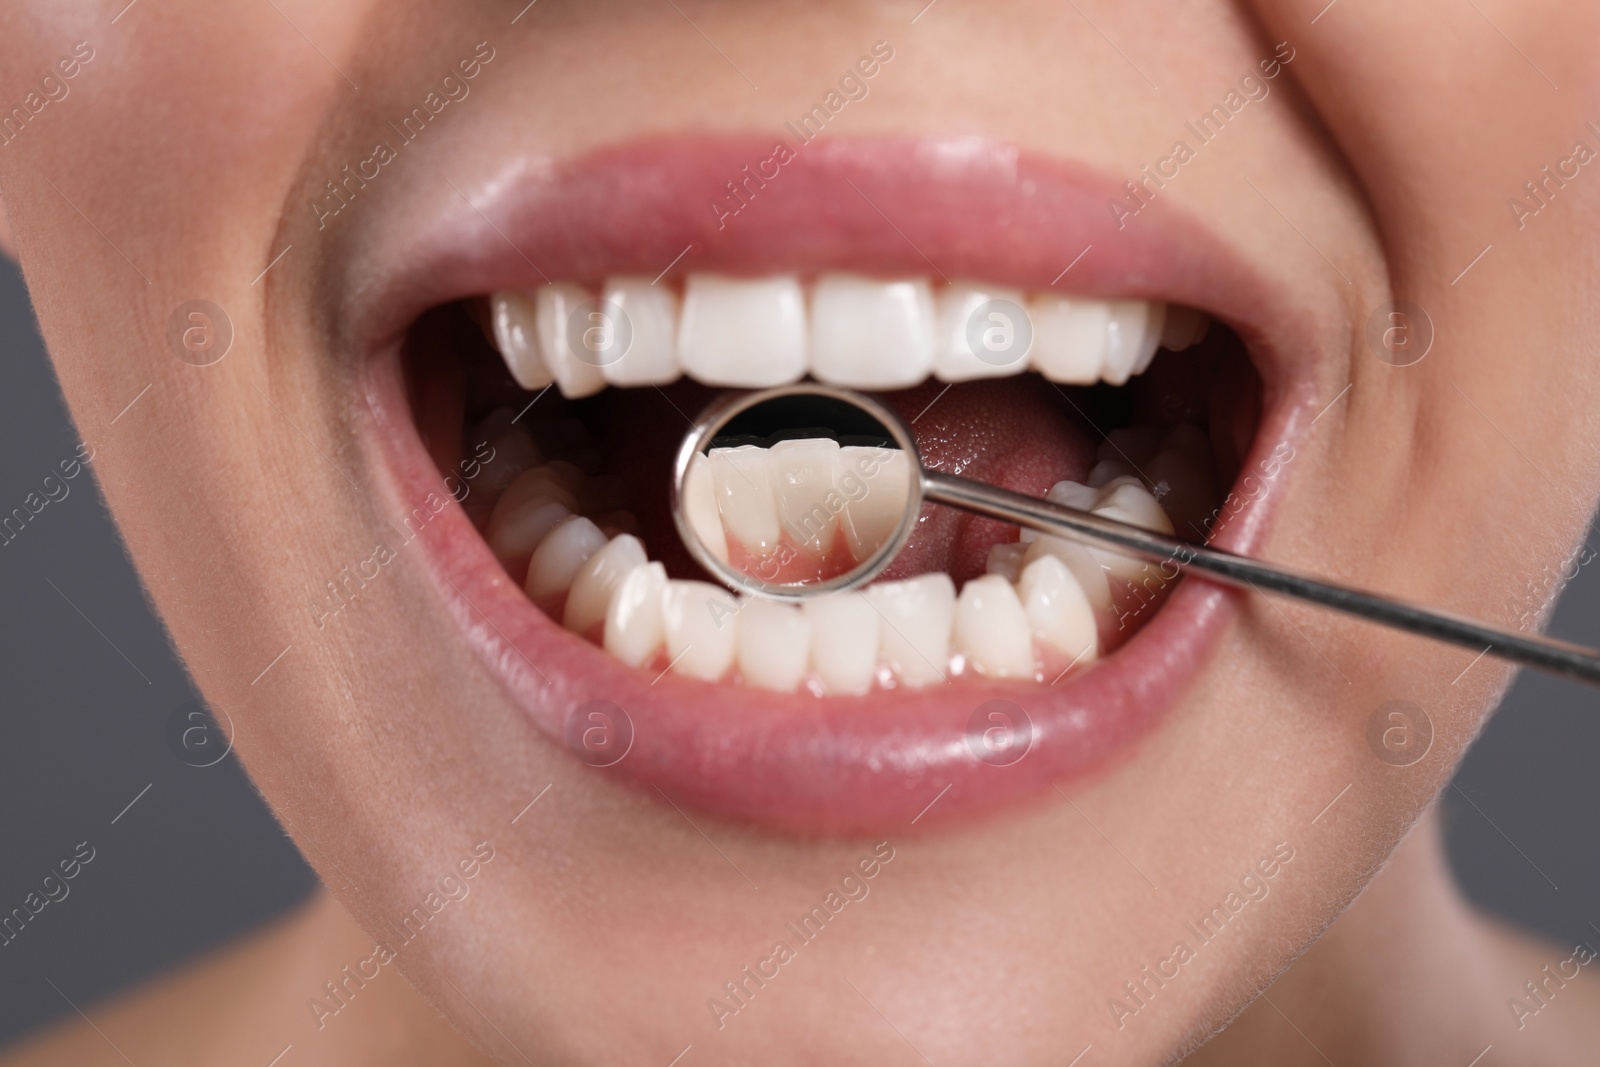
{"points": [[700, 507], [1108, 470], [598, 579], [492, 425], [871, 334], [874, 483], [511, 453], [1069, 337], [741, 478], [1132, 444], [955, 358], [1124, 341], [1058, 610], [844, 642], [562, 325], [545, 482], [1183, 327], [1005, 559], [992, 630], [917, 617], [516, 335], [1068, 494], [701, 621], [802, 475], [1155, 316], [1085, 568], [774, 645], [613, 523], [1130, 502], [747, 333], [651, 315], [518, 530], [633, 618], [561, 555]]}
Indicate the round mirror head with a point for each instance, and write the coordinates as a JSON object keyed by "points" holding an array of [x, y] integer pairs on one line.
{"points": [[799, 490]]}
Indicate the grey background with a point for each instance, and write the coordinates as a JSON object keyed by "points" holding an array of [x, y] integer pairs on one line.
{"points": [[89, 683]]}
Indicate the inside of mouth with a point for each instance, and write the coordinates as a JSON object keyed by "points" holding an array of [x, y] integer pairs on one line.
{"points": [[561, 455]]}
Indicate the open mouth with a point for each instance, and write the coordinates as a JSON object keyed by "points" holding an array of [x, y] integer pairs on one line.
{"points": [[563, 447], [986, 662]]}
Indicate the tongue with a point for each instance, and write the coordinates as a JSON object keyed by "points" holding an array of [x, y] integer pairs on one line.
{"points": [[1007, 432]]}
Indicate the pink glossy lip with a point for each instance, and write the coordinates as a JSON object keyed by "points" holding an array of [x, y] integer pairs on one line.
{"points": [[958, 209]]}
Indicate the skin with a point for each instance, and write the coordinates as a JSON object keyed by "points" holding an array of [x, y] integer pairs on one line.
{"points": [[605, 921]]}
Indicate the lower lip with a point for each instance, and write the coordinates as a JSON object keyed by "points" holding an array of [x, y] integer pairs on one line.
{"points": [[798, 764]]}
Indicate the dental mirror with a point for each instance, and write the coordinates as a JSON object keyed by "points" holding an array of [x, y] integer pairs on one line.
{"points": [[860, 460], [796, 491]]}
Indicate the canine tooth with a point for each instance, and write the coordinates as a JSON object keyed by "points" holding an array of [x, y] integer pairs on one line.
{"points": [[774, 645], [701, 622], [597, 579], [519, 529], [576, 372], [1069, 337], [1058, 610], [1132, 444], [874, 483], [514, 319], [561, 555], [513, 452], [802, 474], [633, 618], [1005, 559], [1124, 340], [954, 358], [844, 641], [746, 333], [917, 617], [700, 507], [1076, 558], [1183, 327], [1155, 316], [741, 478], [871, 334], [652, 316], [992, 630]]}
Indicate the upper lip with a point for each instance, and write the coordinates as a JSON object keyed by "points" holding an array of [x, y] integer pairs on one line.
{"points": [[960, 209]]}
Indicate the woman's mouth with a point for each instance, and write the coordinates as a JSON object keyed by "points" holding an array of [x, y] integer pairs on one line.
{"points": [[987, 662]]}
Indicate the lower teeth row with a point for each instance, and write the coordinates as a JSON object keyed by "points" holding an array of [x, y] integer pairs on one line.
{"points": [[1045, 605]]}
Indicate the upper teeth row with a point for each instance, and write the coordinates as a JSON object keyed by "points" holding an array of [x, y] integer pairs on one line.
{"points": [[844, 329]]}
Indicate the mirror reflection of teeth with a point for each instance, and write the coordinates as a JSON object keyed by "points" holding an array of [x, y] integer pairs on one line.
{"points": [[1044, 604], [844, 329]]}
